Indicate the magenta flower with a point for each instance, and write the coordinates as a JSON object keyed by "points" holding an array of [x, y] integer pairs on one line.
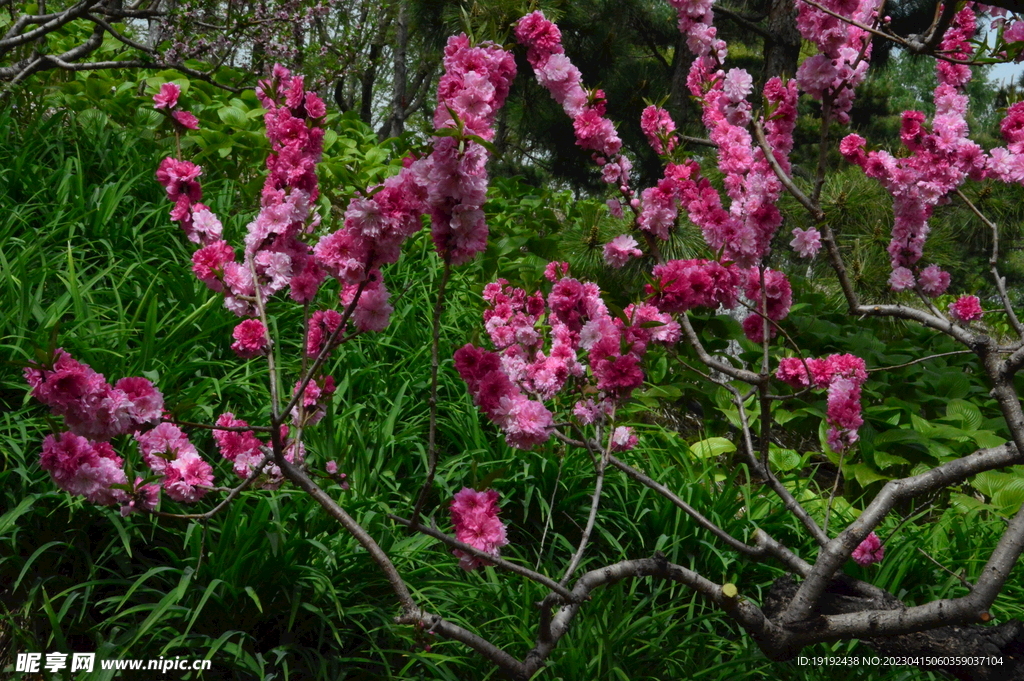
{"points": [[167, 98], [186, 119], [806, 242], [187, 478], [250, 338], [966, 309], [620, 250], [475, 517], [84, 468], [623, 439], [870, 551]]}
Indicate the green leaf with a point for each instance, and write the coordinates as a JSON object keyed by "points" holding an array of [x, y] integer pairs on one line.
{"points": [[256, 599], [1009, 499], [712, 446], [968, 414], [233, 116], [864, 474], [783, 459], [8, 520], [986, 439], [884, 460]]}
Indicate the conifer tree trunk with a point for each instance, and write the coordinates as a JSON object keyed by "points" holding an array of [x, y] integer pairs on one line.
{"points": [[782, 52]]}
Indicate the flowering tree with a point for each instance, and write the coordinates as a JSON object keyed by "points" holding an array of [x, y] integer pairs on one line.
{"points": [[564, 362]]}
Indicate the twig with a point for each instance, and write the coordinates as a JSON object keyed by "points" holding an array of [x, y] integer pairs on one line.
{"points": [[261, 309], [921, 359], [599, 466], [993, 262], [432, 400], [483, 555], [958, 575], [232, 495]]}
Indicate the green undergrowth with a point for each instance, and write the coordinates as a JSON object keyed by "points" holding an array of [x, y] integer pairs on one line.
{"points": [[271, 588]]}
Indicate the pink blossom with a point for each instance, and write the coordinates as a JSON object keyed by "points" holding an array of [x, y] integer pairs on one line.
{"points": [[164, 443], [475, 517], [869, 551], [167, 98], [322, 324], [209, 261], [186, 478], [250, 338], [91, 407], [240, 447], [147, 404], [185, 119], [619, 250], [206, 225], [934, 281], [84, 468], [682, 285], [966, 309], [623, 439], [806, 242], [901, 279], [658, 125]]}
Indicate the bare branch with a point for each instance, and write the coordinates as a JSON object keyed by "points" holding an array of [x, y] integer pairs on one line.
{"points": [[765, 546], [993, 262], [432, 400], [836, 552], [483, 555], [599, 466]]}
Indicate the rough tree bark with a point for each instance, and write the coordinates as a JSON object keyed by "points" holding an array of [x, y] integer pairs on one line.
{"points": [[1006, 639], [782, 50]]}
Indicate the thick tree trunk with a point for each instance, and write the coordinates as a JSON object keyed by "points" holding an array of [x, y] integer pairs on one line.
{"points": [[1004, 641], [396, 122], [782, 51], [366, 84], [679, 100]]}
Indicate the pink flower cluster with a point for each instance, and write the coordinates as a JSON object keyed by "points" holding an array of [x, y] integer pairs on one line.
{"points": [[778, 296], [276, 255], [473, 89], [168, 452], [659, 128], [450, 184], [842, 376], [939, 162], [251, 338], [577, 322], [91, 407], [84, 468], [620, 250], [744, 233], [869, 551], [179, 178], [275, 243], [832, 75], [166, 101], [554, 71], [475, 517], [966, 309], [245, 451], [682, 285], [312, 407], [82, 462]]}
